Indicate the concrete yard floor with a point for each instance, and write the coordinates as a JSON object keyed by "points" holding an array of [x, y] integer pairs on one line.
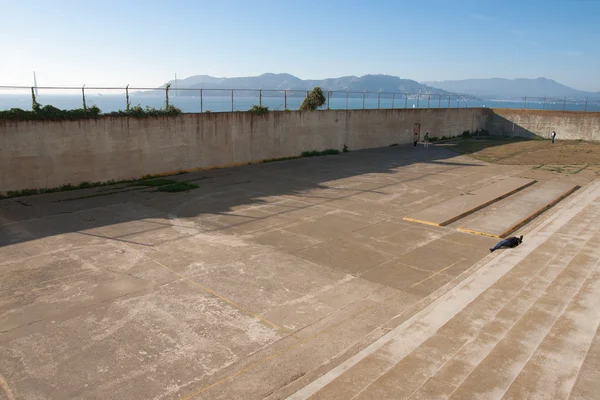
{"points": [[297, 278]]}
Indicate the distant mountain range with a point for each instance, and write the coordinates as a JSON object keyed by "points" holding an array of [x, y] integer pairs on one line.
{"points": [[369, 83], [492, 89], [499, 88]]}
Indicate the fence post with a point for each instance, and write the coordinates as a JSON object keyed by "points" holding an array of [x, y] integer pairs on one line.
{"points": [[284, 100], [167, 95], [526, 102], [232, 99], [405, 100], [346, 99], [201, 102], [127, 97], [393, 99], [565, 103], [83, 95], [34, 102], [585, 108], [328, 97], [457, 101], [378, 100], [418, 99], [260, 97], [364, 99]]}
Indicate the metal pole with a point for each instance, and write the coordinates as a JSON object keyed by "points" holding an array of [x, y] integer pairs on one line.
{"points": [[439, 101], [328, 97], [260, 97], [285, 99], [585, 108], [364, 100], [393, 99], [544, 106], [526, 102], [232, 100], [428, 101], [346, 99], [167, 96], [83, 94], [201, 105], [565, 103], [418, 98], [378, 100], [127, 97], [448, 101], [457, 101], [405, 100]]}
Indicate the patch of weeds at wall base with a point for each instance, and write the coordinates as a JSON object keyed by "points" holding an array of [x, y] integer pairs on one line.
{"points": [[177, 187], [147, 180], [316, 153], [312, 153]]}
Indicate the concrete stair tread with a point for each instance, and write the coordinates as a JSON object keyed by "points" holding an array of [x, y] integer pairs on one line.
{"points": [[503, 339]]}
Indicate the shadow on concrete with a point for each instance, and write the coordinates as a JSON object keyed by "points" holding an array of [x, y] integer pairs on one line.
{"points": [[499, 126], [221, 192]]}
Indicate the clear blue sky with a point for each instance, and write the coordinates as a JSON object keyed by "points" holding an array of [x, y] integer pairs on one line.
{"points": [[145, 42]]}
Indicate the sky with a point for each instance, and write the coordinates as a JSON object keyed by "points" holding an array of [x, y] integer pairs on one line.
{"points": [[144, 43]]}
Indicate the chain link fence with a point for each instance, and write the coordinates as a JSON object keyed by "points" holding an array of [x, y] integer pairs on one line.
{"points": [[189, 100]]}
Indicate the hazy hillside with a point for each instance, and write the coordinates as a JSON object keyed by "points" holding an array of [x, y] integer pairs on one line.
{"points": [[499, 88], [370, 83]]}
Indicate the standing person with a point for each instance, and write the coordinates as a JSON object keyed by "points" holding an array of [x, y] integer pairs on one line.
{"points": [[553, 135], [426, 139], [415, 139]]}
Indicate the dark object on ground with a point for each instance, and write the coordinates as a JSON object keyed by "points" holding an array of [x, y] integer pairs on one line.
{"points": [[510, 242]]}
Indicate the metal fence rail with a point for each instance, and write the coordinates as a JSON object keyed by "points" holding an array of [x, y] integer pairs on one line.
{"points": [[110, 99]]}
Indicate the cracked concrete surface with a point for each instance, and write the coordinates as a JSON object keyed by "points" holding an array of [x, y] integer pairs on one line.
{"points": [[256, 284]]}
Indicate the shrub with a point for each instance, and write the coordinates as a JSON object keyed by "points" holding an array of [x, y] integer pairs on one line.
{"points": [[49, 112], [315, 153], [139, 112], [177, 187], [259, 110], [313, 100]]}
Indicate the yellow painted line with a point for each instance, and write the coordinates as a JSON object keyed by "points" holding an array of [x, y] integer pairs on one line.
{"points": [[438, 272], [418, 221], [6, 389], [276, 354], [225, 299], [478, 233]]}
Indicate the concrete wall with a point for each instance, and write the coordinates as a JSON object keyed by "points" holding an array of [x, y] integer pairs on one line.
{"points": [[38, 154], [569, 125]]}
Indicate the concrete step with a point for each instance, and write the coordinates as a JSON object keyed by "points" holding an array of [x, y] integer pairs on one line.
{"points": [[515, 211], [454, 209], [506, 330]]}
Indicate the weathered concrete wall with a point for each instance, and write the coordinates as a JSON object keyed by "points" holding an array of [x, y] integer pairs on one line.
{"points": [[37, 154], [569, 125]]}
